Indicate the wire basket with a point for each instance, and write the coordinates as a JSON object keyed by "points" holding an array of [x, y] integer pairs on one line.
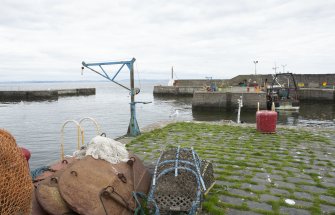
{"points": [[180, 179]]}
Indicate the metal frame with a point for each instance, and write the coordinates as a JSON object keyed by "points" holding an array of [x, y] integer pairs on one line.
{"points": [[289, 75], [273, 93], [133, 128], [79, 134], [285, 74], [196, 164]]}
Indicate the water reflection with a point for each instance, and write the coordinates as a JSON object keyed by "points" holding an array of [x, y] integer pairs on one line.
{"points": [[217, 115], [174, 100], [288, 117], [317, 111], [175, 103], [309, 114]]}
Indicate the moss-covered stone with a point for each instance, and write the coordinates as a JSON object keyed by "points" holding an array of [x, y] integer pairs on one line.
{"points": [[291, 164]]}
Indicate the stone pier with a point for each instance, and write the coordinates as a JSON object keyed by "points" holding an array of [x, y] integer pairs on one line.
{"points": [[227, 100], [14, 96]]}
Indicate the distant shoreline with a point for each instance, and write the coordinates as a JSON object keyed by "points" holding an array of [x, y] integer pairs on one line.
{"points": [[81, 81]]}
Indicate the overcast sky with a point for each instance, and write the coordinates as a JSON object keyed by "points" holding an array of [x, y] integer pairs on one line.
{"points": [[48, 39]]}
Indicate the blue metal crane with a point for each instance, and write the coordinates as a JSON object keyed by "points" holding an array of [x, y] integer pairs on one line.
{"points": [[133, 129]]}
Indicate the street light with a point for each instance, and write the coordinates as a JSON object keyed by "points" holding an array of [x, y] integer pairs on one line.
{"points": [[255, 62]]}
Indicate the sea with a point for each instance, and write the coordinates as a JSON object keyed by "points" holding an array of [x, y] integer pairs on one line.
{"points": [[37, 125]]}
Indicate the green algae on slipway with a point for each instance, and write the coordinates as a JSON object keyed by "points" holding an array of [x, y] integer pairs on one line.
{"points": [[255, 173]]}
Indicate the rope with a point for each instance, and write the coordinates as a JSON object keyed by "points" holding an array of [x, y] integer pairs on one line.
{"points": [[143, 209], [138, 76], [139, 209], [36, 172]]}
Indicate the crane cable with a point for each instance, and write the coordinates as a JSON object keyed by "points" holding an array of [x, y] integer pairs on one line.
{"points": [[138, 78]]}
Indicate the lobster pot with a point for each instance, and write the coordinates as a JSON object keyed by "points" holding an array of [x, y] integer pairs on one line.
{"points": [[179, 181], [266, 121]]}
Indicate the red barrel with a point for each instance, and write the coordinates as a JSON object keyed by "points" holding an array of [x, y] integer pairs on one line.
{"points": [[266, 121]]}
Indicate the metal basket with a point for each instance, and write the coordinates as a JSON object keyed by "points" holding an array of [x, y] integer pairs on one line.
{"points": [[180, 179]]}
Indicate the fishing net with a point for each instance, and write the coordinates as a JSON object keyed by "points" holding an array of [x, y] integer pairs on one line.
{"points": [[106, 149], [15, 182]]}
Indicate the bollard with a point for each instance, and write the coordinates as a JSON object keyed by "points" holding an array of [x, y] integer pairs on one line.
{"points": [[266, 120]]}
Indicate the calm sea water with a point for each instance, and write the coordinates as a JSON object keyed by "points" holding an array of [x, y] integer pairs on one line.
{"points": [[36, 125]]}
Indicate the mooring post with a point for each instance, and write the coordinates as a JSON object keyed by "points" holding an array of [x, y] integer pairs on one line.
{"points": [[240, 105]]}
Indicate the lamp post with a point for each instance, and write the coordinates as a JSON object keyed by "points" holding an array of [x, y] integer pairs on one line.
{"points": [[255, 62]]}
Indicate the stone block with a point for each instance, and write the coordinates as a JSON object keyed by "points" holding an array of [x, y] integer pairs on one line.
{"points": [[267, 197], [293, 211], [299, 180], [303, 195], [257, 205], [284, 185], [281, 192], [260, 187], [232, 211], [301, 203], [241, 193], [327, 209], [327, 199], [313, 189], [231, 200]]}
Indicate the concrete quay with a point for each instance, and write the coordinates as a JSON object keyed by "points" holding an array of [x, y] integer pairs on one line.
{"points": [[316, 94], [227, 100], [175, 91], [14, 96], [184, 87], [303, 80], [313, 87], [304, 94]]}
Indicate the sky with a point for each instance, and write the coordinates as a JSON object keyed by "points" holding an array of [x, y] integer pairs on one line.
{"points": [[48, 39]]}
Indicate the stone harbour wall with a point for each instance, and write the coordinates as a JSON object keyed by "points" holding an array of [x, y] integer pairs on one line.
{"points": [[227, 100], [13, 96]]}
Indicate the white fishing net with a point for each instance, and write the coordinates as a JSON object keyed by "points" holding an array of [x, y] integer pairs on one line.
{"points": [[104, 148]]}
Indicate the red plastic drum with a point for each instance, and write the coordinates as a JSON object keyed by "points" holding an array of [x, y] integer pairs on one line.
{"points": [[266, 121]]}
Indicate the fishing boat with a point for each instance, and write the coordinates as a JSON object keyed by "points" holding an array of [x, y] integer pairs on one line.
{"points": [[283, 92]]}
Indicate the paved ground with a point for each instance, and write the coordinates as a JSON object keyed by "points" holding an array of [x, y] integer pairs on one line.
{"points": [[291, 172]]}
